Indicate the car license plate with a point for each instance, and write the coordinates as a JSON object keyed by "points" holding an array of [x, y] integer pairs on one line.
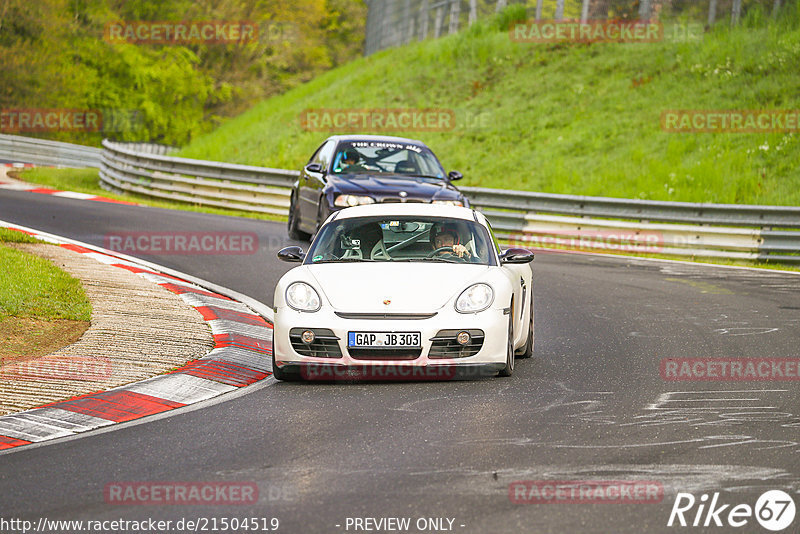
{"points": [[383, 339]]}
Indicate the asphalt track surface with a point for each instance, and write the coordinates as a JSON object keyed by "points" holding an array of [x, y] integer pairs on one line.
{"points": [[591, 405]]}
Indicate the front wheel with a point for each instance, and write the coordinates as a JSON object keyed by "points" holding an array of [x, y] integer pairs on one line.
{"points": [[322, 214], [508, 370], [294, 219], [529, 344]]}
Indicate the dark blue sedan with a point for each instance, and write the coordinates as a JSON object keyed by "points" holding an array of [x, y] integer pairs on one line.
{"points": [[352, 170]]}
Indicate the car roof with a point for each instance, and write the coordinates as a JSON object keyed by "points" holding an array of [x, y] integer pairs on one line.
{"points": [[387, 138], [403, 209]]}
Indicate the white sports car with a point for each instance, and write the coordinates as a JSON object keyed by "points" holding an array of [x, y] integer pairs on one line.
{"points": [[403, 291]]}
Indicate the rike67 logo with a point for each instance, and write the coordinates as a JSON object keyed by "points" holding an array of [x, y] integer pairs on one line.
{"points": [[774, 510]]}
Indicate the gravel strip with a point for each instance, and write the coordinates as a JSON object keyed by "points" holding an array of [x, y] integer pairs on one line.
{"points": [[138, 330]]}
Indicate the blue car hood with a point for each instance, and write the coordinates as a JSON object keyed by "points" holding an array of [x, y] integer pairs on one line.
{"points": [[392, 185]]}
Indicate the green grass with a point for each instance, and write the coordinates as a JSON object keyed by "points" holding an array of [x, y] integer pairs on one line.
{"points": [[78, 180], [14, 236], [34, 287], [88, 181], [574, 119]]}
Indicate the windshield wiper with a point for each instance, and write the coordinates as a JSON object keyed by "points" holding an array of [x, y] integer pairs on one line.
{"points": [[428, 259], [342, 260]]}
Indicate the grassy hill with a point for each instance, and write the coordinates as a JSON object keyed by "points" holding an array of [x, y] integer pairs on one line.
{"points": [[563, 118]]}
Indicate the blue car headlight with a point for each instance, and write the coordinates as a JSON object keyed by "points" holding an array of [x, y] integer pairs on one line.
{"points": [[345, 201]]}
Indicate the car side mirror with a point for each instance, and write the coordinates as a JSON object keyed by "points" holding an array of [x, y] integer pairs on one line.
{"points": [[314, 167], [516, 255], [454, 175], [292, 254]]}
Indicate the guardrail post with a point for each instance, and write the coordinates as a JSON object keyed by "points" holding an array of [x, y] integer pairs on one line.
{"points": [[437, 23], [559, 10], [736, 12], [455, 12], [644, 10], [423, 13]]}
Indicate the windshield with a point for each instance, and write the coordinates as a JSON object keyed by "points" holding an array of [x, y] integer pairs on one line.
{"points": [[371, 157], [411, 239]]}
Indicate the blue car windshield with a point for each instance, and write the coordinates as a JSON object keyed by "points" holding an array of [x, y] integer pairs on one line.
{"points": [[409, 239], [383, 157]]}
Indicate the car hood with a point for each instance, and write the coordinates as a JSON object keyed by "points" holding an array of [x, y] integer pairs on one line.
{"points": [[408, 286], [428, 188]]}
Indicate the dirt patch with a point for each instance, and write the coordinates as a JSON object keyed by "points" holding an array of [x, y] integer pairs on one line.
{"points": [[23, 338]]}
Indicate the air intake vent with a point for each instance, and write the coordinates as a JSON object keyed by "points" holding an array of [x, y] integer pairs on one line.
{"points": [[384, 354], [444, 345], [393, 200], [325, 344]]}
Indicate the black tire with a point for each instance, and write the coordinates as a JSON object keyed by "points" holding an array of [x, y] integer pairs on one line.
{"points": [[322, 214], [283, 375], [528, 352], [508, 370], [294, 219]]}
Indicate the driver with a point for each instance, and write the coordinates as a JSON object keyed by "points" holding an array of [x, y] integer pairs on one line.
{"points": [[350, 159], [445, 235]]}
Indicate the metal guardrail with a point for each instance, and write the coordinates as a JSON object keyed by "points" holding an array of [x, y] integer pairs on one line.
{"points": [[732, 231], [533, 219], [208, 183], [17, 148], [651, 210], [150, 148]]}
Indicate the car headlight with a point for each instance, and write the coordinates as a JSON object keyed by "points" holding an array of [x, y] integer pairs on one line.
{"points": [[302, 297], [475, 298], [449, 202], [345, 201]]}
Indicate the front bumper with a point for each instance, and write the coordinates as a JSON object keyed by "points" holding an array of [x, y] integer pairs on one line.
{"points": [[339, 361]]}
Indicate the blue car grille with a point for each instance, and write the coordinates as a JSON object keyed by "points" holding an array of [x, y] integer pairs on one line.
{"points": [[405, 200]]}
